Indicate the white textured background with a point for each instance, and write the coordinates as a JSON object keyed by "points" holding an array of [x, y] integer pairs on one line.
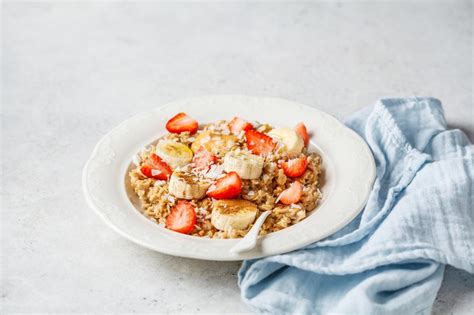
{"points": [[72, 71]]}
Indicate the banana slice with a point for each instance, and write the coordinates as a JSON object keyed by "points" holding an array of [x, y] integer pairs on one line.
{"points": [[289, 141], [187, 186], [214, 142], [247, 165], [174, 153], [235, 214]]}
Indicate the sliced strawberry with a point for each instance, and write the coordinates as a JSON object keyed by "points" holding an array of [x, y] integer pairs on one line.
{"points": [[291, 194], [182, 122], [236, 125], [259, 143], [295, 167], [155, 167], [203, 159], [300, 129], [227, 187], [182, 218]]}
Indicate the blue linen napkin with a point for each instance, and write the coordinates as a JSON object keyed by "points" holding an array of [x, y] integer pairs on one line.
{"points": [[391, 258]]}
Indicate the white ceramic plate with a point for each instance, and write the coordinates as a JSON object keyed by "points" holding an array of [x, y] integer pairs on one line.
{"points": [[348, 175]]}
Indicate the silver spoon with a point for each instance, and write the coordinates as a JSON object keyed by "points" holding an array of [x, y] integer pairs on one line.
{"points": [[250, 239]]}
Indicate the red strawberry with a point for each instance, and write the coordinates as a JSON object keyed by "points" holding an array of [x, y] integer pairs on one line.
{"points": [[227, 187], [291, 194], [182, 122], [295, 167], [236, 125], [300, 129], [203, 159], [259, 143], [182, 218], [155, 167]]}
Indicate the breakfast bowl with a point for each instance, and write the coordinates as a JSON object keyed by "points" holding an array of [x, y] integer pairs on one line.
{"points": [[170, 179]]}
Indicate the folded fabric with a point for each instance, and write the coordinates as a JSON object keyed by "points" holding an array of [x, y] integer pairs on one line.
{"points": [[390, 259]]}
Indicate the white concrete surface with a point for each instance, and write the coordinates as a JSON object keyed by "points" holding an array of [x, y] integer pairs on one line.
{"points": [[72, 71]]}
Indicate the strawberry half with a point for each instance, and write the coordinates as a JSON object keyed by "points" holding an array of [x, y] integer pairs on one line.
{"points": [[182, 218], [203, 159], [292, 194], [155, 167], [227, 187], [181, 123], [301, 130], [236, 125], [295, 167], [259, 143]]}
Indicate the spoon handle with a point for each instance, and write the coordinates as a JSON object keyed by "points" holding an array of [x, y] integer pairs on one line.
{"points": [[250, 239]]}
